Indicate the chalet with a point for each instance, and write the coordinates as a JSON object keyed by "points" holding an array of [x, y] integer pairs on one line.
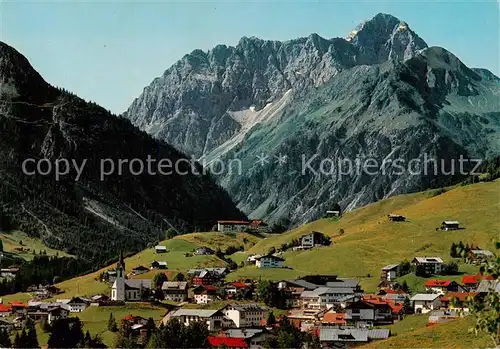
{"points": [[77, 304], [480, 256], [204, 251], [98, 299], [159, 265], [208, 276], [432, 265], [269, 261], [470, 282], [425, 302], [368, 313], [242, 226], [245, 315], [443, 286], [205, 294], [389, 272], [332, 213], [251, 259], [450, 225], [313, 239], [140, 269], [38, 315], [458, 300], [235, 287], [214, 319], [396, 218], [325, 297], [56, 313], [175, 291], [161, 249]]}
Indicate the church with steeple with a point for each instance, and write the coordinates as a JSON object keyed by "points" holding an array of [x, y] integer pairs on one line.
{"points": [[124, 289]]}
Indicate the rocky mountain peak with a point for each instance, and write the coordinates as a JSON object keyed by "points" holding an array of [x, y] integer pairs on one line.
{"points": [[385, 37]]}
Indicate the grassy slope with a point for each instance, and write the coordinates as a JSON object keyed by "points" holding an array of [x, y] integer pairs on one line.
{"points": [[452, 335], [11, 242], [87, 285], [216, 240], [371, 241]]}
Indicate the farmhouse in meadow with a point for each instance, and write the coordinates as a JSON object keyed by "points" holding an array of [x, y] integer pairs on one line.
{"points": [[161, 249], [450, 225], [313, 239], [269, 261], [396, 217], [159, 265]]}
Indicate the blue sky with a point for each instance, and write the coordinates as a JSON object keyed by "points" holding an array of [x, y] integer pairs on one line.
{"points": [[108, 52]]}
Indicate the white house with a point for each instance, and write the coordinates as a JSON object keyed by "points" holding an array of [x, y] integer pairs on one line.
{"points": [[251, 259], [160, 249], [245, 315], [77, 305], [425, 302], [326, 297], [389, 272], [205, 294], [432, 265], [313, 239], [269, 261], [214, 319]]}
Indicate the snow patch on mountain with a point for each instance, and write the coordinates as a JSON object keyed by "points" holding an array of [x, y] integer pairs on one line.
{"points": [[248, 119]]}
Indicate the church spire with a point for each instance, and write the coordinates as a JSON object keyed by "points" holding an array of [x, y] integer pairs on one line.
{"points": [[121, 262]]}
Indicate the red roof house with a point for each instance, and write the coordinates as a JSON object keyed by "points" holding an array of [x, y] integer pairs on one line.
{"points": [[473, 280], [334, 318], [443, 285]]}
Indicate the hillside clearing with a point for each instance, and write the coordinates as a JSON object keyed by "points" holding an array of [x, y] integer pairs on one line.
{"points": [[11, 245]]}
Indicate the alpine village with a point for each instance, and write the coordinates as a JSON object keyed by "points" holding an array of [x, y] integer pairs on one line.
{"points": [[268, 259]]}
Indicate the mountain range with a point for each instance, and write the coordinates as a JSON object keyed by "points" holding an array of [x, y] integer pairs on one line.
{"points": [[90, 215], [380, 93]]}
